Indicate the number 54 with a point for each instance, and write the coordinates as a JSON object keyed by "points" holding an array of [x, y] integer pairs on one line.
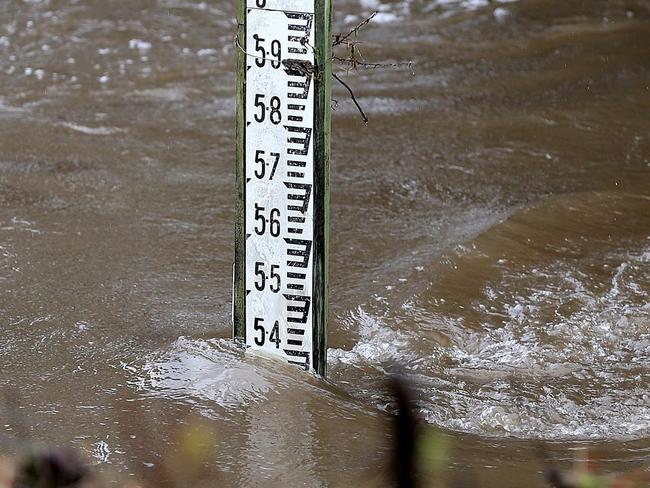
{"points": [[274, 337]]}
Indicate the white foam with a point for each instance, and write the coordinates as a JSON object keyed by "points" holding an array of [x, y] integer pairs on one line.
{"points": [[369, 4], [206, 52], [92, 131], [207, 370], [501, 14], [385, 18], [140, 45], [551, 354], [475, 4]]}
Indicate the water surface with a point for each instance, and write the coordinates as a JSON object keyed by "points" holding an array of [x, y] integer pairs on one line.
{"points": [[491, 238]]}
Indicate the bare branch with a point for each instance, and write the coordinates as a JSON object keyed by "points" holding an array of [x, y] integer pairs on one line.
{"points": [[338, 39], [354, 58], [353, 63], [354, 99]]}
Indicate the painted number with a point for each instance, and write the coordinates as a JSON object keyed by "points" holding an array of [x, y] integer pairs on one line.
{"points": [[274, 336], [261, 274], [262, 55], [273, 221], [273, 108], [260, 172], [257, 325]]}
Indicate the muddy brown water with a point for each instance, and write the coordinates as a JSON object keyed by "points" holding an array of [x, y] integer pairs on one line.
{"points": [[491, 238]]}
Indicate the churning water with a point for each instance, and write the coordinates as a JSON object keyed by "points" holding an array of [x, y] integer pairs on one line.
{"points": [[491, 239]]}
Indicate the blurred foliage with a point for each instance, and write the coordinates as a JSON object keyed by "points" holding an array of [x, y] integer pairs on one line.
{"points": [[432, 450], [421, 457]]}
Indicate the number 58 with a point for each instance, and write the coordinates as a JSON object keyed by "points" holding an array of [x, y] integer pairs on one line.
{"points": [[274, 109]]}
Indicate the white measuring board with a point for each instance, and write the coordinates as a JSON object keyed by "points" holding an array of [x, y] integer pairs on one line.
{"points": [[279, 178]]}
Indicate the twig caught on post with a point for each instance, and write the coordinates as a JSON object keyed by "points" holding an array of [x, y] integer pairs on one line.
{"points": [[354, 59], [351, 62], [338, 39], [355, 63], [354, 99]]}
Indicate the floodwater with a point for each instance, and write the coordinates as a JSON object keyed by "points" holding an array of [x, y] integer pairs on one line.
{"points": [[490, 238]]}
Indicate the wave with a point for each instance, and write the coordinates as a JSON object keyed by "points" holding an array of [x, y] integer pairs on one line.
{"points": [[537, 328]]}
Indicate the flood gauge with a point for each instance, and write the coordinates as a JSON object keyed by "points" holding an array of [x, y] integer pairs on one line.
{"points": [[283, 151]]}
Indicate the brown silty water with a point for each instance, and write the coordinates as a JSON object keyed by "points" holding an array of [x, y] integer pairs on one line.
{"points": [[491, 239]]}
